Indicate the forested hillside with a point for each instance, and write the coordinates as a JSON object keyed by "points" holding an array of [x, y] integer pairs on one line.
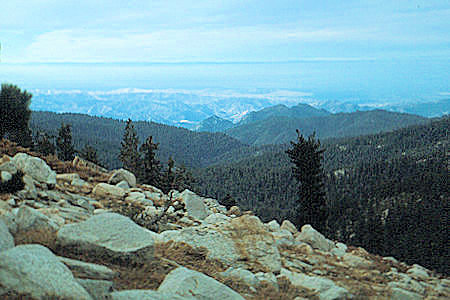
{"points": [[385, 191], [298, 111], [105, 134], [279, 130]]}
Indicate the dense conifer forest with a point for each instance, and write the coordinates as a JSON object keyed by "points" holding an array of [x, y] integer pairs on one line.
{"points": [[386, 192]]}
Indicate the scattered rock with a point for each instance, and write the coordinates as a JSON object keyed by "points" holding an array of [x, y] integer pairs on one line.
{"points": [[286, 224], [340, 250], [34, 167], [6, 239], [9, 167], [96, 288], [187, 283], [107, 190], [219, 246], [234, 210], [273, 225], [30, 219], [254, 243], [417, 271], [326, 288], [146, 295], [401, 294], [35, 270], [67, 177], [123, 185], [216, 218], [109, 234], [5, 176], [122, 175], [314, 238], [88, 270], [241, 274], [194, 205]]}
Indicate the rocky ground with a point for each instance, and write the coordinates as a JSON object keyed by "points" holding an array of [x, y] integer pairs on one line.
{"points": [[77, 231]]}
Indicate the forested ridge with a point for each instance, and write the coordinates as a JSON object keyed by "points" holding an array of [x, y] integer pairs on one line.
{"points": [[387, 192], [281, 129], [105, 134]]}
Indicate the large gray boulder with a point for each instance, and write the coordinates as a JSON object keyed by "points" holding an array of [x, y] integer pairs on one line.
{"points": [[219, 246], [35, 270], [30, 219], [88, 270], [34, 167], [194, 205], [188, 283], [107, 190], [311, 236], [122, 175], [109, 234], [98, 289], [146, 295], [6, 239], [326, 288], [254, 242]]}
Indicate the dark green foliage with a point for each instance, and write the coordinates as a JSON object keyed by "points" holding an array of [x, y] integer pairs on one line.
{"points": [[129, 155], [168, 177], [183, 179], [228, 201], [89, 153], [13, 185], [371, 183], [151, 168], [44, 143], [193, 149], [15, 114], [306, 155], [64, 145]]}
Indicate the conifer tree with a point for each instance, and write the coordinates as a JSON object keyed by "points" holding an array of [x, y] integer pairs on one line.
{"points": [[306, 155], [44, 144], [169, 176], [129, 155], [183, 179], [89, 153], [15, 115], [64, 145], [151, 172]]}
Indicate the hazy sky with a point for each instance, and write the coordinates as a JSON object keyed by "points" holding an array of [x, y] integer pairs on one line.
{"points": [[228, 30]]}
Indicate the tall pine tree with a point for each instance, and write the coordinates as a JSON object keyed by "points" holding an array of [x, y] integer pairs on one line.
{"points": [[129, 155], [151, 172], [64, 144], [306, 155]]}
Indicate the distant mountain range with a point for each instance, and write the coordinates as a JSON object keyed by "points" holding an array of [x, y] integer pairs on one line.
{"points": [[282, 129], [188, 108]]}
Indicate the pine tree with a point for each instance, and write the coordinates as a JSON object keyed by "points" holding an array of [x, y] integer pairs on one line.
{"points": [[64, 145], [183, 179], [151, 172], [15, 115], [44, 144], [129, 155], [89, 153], [306, 155], [168, 181]]}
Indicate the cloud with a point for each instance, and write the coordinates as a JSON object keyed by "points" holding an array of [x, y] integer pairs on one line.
{"points": [[215, 44]]}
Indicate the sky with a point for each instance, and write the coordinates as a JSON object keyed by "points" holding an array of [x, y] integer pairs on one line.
{"points": [[105, 31], [376, 50]]}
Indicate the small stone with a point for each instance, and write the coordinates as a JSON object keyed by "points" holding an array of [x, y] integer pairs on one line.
{"points": [[5, 176], [273, 225], [289, 226]]}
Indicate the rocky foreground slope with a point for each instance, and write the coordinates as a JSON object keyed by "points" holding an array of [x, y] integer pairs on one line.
{"points": [[77, 232]]}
